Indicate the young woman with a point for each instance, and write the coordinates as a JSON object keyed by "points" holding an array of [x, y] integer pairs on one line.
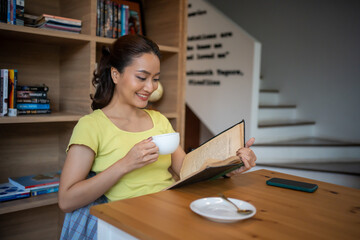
{"points": [[110, 155]]}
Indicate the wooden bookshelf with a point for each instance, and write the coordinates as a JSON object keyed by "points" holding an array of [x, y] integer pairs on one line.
{"points": [[28, 203], [65, 62]]}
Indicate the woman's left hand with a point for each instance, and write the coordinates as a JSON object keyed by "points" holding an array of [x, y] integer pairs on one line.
{"points": [[247, 156]]}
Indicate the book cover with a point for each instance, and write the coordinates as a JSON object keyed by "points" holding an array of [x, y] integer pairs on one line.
{"points": [[214, 158], [36, 181], [9, 192], [134, 23], [33, 106], [37, 192]]}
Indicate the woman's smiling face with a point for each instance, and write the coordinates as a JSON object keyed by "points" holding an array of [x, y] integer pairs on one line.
{"points": [[135, 85]]}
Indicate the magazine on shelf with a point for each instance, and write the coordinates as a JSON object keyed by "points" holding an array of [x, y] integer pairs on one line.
{"points": [[36, 181], [46, 18], [9, 192]]}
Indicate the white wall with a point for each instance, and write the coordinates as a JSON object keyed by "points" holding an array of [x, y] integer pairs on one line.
{"points": [[236, 96], [311, 53]]}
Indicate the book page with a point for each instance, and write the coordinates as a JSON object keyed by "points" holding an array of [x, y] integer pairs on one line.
{"points": [[220, 148]]}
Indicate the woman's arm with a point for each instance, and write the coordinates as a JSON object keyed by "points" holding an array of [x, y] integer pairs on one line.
{"points": [[177, 159], [76, 191], [247, 156]]}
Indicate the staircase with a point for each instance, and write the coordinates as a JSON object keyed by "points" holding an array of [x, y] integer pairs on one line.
{"points": [[283, 139]]}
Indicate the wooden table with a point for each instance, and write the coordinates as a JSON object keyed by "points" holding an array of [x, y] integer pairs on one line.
{"points": [[332, 212]]}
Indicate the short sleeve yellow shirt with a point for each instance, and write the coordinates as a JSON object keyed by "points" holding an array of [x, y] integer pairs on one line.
{"points": [[110, 144]]}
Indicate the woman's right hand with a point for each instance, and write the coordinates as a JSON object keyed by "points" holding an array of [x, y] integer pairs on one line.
{"points": [[141, 154]]}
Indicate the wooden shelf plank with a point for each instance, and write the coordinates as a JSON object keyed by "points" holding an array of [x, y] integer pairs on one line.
{"points": [[27, 203], [22, 33], [109, 41], [171, 115], [53, 117], [168, 49]]}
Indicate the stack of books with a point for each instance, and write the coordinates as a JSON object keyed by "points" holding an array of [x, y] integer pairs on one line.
{"points": [[32, 185], [32, 100], [47, 21], [115, 20]]}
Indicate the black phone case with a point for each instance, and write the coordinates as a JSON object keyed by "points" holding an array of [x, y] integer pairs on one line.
{"points": [[291, 184]]}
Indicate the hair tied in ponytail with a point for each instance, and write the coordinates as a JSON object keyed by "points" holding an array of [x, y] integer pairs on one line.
{"points": [[106, 51]]}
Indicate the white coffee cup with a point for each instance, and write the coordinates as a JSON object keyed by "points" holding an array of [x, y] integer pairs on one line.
{"points": [[167, 143]]}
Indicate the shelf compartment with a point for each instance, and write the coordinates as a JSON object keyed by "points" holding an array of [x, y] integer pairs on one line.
{"points": [[53, 117], [102, 41], [46, 36], [28, 203]]}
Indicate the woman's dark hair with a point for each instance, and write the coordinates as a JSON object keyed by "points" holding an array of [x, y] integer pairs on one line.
{"points": [[119, 56]]}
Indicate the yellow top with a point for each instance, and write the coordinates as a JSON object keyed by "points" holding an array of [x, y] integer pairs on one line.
{"points": [[110, 144]]}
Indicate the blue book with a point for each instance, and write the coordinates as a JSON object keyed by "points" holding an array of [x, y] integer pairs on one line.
{"points": [[32, 106], [44, 191], [37, 181], [9, 192]]}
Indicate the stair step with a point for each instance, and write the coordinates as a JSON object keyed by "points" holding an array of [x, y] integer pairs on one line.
{"points": [[284, 123], [269, 97], [269, 91], [305, 154], [262, 106], [276, 114], [310, 142], [342, 167]]}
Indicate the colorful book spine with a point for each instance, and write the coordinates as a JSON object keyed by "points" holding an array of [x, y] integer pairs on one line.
{"points": [[4, 91], [33, 106], [12, 112], [20, 6], [8, 13], [32, 88], [98, 17], [119, 21], [13, 13], [3, 11], [124, 19], [37, 192], [102, 18], [115, 20], [32, 100], [31, 94], [30, 112]]}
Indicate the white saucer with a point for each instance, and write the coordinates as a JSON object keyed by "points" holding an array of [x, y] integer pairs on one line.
{"points": [[218, 210]]}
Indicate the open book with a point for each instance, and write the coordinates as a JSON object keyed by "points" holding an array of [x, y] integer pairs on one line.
{"points": [[213, 158]]}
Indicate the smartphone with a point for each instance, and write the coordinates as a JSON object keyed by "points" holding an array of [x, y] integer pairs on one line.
{"points": [[291, 184]]}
